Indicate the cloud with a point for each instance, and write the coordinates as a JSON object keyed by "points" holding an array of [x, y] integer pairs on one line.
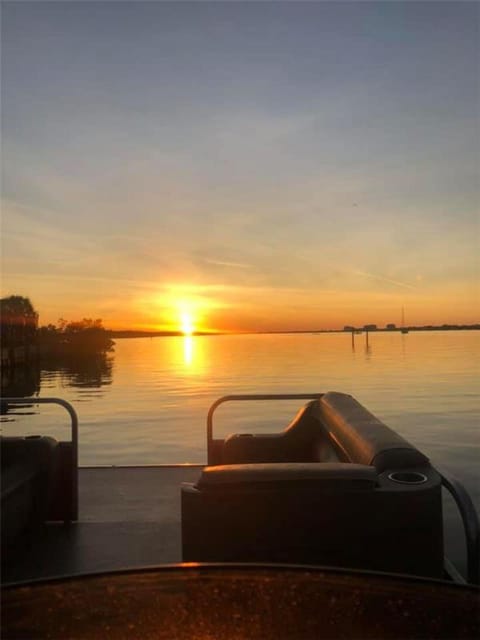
{"points": [[223, 263]]}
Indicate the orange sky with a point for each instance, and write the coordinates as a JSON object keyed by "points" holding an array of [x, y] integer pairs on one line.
{"points": [[258, 166], [219, 308]]}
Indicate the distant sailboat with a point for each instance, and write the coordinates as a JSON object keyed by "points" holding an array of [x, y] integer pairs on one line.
{"points": [[403, 328]]}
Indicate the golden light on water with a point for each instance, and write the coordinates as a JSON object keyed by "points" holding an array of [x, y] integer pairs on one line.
{"points": [[188, 350], [190, 355]]}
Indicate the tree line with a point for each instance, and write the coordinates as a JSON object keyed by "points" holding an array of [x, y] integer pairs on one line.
{"points": [[19, 328]]}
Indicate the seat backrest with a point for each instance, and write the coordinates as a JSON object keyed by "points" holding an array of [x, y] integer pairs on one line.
{"points": [[362, 437], [303, 440]]}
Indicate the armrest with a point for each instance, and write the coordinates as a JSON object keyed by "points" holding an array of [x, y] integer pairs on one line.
{"points": [[334, 476]]}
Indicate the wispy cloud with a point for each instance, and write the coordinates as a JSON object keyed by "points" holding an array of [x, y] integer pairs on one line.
{"points": [[224, 263]]}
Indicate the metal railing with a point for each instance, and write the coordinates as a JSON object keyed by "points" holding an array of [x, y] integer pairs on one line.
{"points": [[470, 521], [74, 441], [249, 396]]}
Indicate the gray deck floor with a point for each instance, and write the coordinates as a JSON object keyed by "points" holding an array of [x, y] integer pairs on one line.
{"points": [[128, 517]]}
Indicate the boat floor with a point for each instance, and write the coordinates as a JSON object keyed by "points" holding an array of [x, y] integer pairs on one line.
{"points": [[128, 517]]}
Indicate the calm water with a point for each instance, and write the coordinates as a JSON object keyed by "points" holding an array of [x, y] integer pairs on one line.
{"points": [[147, 402]]}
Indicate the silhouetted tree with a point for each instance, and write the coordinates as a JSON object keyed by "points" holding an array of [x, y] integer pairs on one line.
{"points": [[18, 321], [85, 336]]}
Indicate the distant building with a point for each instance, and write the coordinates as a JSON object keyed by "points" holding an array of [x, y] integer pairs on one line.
{"points": [[370, 327], [348, 328], [391, 326]]}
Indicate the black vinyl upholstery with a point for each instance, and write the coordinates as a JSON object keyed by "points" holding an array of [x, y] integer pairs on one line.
{"points": [[362, 437]]}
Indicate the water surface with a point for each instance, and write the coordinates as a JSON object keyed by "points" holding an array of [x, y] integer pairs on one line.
{"points": [[147, 402]]}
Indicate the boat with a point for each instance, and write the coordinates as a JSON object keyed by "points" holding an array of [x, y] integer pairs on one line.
{"points": [[331, 527]]}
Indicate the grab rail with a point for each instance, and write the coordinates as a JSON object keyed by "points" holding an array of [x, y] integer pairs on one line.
{"points": [[470, 521], [249, 396], [74, 436]]}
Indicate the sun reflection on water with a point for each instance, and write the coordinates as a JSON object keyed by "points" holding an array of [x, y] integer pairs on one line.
{"points": [[191, 356], [188, 351]]}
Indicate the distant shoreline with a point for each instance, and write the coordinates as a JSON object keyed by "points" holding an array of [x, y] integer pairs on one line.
{"points": [[118, 335]]}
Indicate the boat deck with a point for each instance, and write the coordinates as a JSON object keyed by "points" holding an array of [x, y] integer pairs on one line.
{"points": [[128, 517]]}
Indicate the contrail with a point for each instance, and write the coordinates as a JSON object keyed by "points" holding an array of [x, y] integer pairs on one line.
{"points": [[383, 279]]}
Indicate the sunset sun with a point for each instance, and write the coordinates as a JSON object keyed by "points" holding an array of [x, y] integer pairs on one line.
{"points": [[186, 323]]}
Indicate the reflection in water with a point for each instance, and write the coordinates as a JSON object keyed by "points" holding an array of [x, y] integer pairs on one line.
{"points": [[404, 338], [84, 371], [188, 350], [368, 348], [20, 381], [190, 355]]}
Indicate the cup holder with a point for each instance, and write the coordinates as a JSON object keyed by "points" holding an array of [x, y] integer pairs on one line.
{"points": [[408, 477]]}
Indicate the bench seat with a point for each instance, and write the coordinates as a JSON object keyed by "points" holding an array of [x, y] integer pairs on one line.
{"points": [[336, 487], [28, 468]]}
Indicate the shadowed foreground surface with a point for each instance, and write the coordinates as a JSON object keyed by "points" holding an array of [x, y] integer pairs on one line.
{"points": [[128, 517], [232, 602]]}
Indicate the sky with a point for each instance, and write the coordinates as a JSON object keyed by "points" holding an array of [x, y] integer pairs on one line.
{"points": [[242, 165]]}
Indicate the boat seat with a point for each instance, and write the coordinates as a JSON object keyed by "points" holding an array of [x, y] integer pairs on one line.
{"points": [[28, 466], [362, 438], [280, 498], [269, 512], [337, 514]]}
